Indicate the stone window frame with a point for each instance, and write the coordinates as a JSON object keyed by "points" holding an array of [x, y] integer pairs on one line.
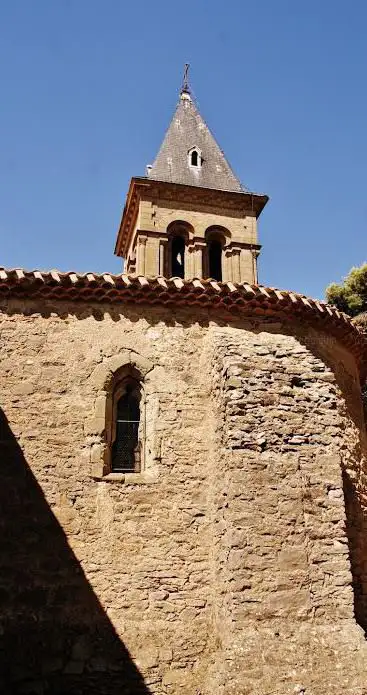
{"points": [[123, 376], [105, 381], [199, 159]]}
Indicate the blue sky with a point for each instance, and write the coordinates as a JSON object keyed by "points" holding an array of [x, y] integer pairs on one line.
{"points": [[88, 88]]}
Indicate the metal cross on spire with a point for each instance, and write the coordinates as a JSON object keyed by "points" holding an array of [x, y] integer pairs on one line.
{"points": [[185, 81]]}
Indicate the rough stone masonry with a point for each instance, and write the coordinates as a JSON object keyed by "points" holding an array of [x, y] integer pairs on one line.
{"points": [[235, 562]]}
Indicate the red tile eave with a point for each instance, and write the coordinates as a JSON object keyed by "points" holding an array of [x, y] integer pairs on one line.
{"points": [[227, 300]]}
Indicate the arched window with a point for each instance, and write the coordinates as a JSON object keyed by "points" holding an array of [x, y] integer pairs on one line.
{"points": [[217, 238], [178, 256], [178, 232], [194, 158], [126, 447], [215, 259]]}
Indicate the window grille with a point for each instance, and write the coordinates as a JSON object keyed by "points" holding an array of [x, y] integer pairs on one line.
{"points": [[126, 447]]}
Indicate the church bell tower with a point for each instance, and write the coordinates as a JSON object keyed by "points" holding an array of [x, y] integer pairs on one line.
{"points": [[190, 217]]}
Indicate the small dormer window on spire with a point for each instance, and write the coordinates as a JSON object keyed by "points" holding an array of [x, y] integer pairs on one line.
{"points": [[195, 159]]}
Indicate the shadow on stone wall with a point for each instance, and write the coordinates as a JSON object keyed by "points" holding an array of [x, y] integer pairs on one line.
{"points": [[55, 637], [356, 528]]}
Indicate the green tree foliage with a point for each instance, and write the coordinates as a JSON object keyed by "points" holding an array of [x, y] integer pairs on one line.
{"points": [[351, 296]]}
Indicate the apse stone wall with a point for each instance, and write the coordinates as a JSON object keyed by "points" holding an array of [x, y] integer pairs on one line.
{"points": [[285, 442], [224, 568]]}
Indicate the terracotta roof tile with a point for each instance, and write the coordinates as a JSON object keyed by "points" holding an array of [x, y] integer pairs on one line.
{"points": [[231, 298]]}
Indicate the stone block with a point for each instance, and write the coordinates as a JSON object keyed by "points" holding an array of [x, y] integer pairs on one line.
{"points": [[95, 426]]}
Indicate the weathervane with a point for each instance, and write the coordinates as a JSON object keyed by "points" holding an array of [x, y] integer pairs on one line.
{"points": [[185, 81]]}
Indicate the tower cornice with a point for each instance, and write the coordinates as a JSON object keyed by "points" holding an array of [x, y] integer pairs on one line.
{"points": [[244, 201]]}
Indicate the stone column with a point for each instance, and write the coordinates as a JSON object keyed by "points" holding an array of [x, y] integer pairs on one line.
{"points": [[254, 266], [200, 250], [195, 266], [236, 265], [152, 257], [227, 265], [140, 255], [248, 267], [162, 256], [189, 261]]}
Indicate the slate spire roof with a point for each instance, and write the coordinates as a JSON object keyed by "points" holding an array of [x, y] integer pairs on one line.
{"points": [[186, 133]]}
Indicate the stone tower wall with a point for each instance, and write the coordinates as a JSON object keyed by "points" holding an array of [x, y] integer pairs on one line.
{"points": [[148, 246], [224, 568]]}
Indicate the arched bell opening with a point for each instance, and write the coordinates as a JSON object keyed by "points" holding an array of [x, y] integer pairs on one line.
{"points": [[215, 248], [178, 257], [178, 237], [216, 239]]}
